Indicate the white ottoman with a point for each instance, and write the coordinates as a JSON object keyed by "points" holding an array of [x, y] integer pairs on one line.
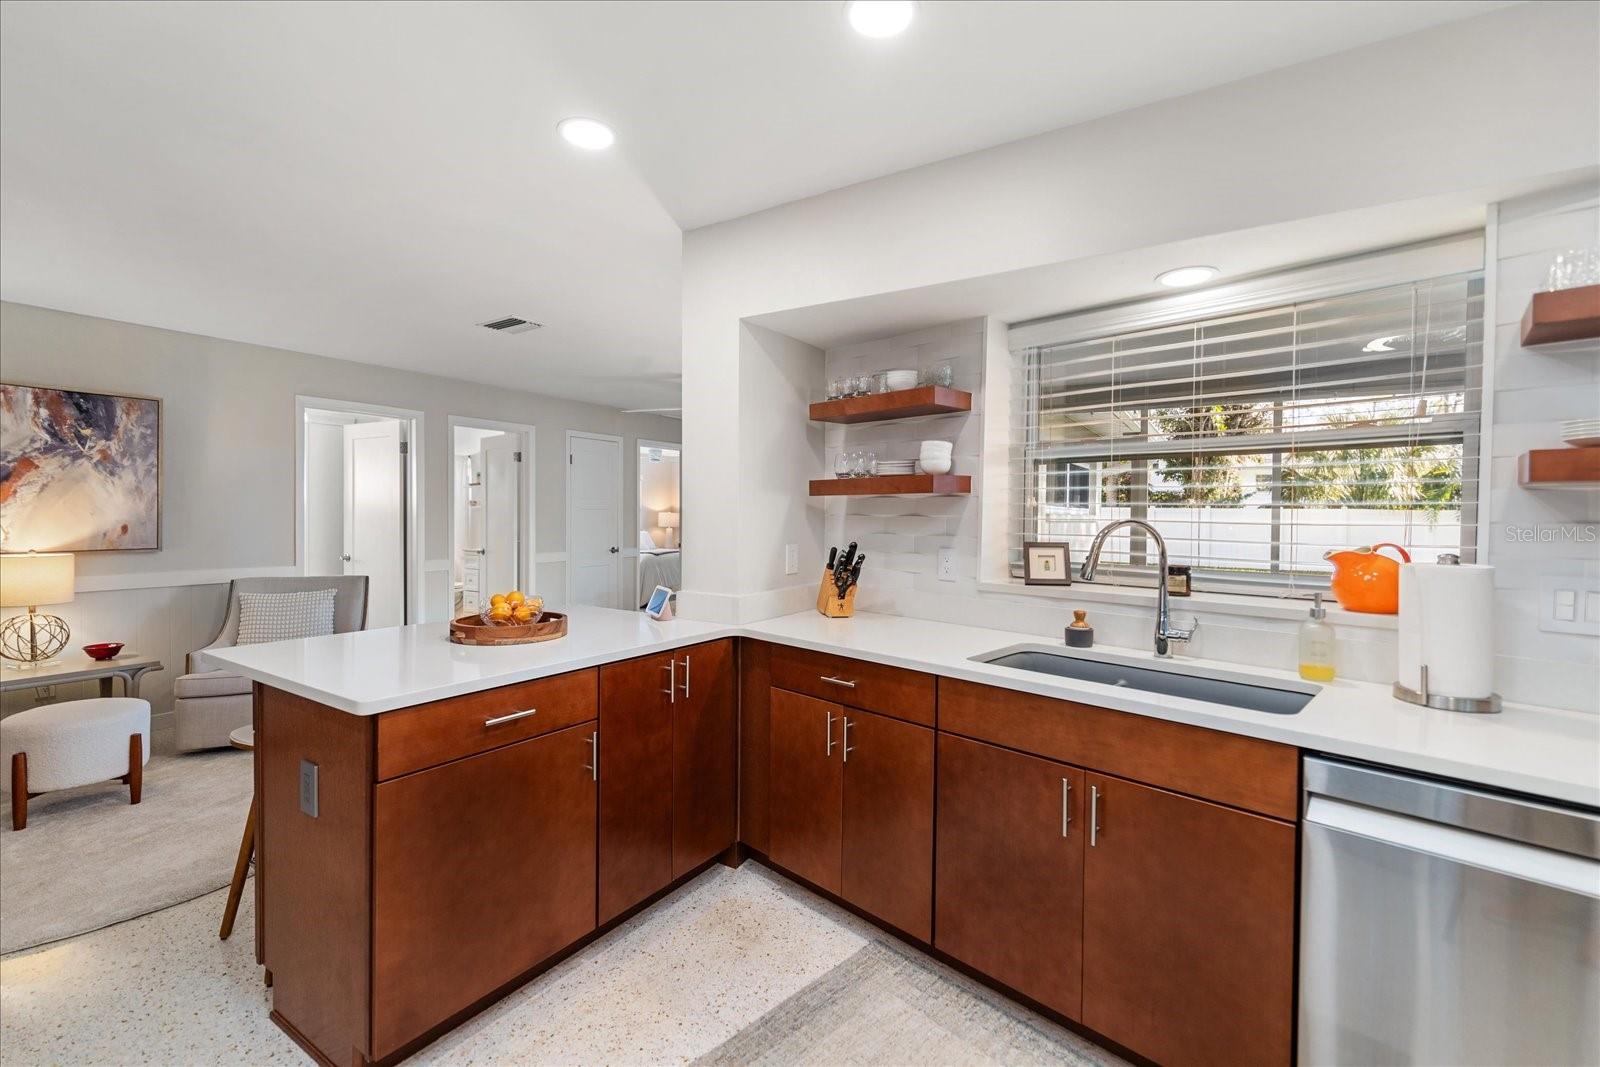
{"points": [[76, 742]]}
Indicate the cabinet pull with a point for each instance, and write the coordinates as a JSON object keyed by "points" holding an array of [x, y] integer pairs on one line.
{"points": [[837, 681], [845, 754], [593, 766], [1066, 806], [1094, 815], [828, 752], [685, 686], [513, 717], [672, 681]]}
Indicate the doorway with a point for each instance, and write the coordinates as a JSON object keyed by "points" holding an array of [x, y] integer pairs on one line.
{"points": [[594, 518], [660, 519], [359, 501], [491, 511]]}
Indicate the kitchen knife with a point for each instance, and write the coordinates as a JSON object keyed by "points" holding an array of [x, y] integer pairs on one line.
{"points": [[848, 559], [833, 554], [855, 572]]}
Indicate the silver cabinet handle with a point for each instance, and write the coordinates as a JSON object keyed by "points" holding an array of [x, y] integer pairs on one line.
{"points": [[1094, 815], [845, 754], [672, 681], [828, 752], [513, 717], [838, 681], [593, 766], [685, 685], [1066, 806]]}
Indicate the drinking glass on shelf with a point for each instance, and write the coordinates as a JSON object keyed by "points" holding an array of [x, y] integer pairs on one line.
{"points": [[1574, 267], [841, 464], [864, 463], [863, 384], [836, 389]]}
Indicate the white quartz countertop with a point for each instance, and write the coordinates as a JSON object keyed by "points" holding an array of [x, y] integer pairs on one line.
{"points": [[1542, 751]]}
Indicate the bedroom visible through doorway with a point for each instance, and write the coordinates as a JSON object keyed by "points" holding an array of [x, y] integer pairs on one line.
{"points": [[660, 519]]}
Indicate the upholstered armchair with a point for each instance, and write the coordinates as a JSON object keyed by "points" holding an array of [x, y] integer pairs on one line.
{"points": [[210, 704]]}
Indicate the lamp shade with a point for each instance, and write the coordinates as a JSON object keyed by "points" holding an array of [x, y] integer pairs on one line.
{"points": [[28, 579], [668, 520]]}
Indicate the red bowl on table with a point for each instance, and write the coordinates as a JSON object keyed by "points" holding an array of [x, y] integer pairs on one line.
{"points": [[103, 650]]}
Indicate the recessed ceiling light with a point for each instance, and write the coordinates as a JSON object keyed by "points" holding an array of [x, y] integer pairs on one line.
{"points": [[1182, 277], [586, 133], [880, 18]]}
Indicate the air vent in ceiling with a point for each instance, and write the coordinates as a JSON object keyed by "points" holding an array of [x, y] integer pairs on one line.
{"points": [[511, 325]]}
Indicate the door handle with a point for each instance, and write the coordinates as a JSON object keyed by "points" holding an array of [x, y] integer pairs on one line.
{"points": [[828, 752], [844, 756], [1094, 815], [346, 558], [612, 550], [593, 766], [1066, 806], [672, 681], [837, 681], [513, 717], [685, 685]]}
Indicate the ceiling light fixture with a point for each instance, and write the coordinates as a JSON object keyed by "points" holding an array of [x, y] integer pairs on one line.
{"points": [[586, 133], [880, 18], [1183, 277]]}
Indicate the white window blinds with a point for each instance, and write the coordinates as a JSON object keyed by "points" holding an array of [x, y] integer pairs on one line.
{"points": [[1256, 440]]}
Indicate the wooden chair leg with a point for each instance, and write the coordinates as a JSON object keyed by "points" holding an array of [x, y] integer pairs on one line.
{"points": [[241, 867], [19, 791], [135, 767]]}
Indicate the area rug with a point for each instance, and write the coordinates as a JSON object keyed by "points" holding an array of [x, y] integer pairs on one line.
{"points": [[885, 1005], [88, 858]]}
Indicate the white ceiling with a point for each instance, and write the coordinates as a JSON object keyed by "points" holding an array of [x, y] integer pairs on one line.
{"points": [[369, 180]]}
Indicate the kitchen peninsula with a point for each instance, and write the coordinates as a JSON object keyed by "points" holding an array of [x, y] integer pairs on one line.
{"points": [[438, 823]]}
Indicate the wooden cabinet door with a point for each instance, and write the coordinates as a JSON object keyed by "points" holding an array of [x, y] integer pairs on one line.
{"points": [[481, 869], [888, 820], [1009, 894], [1188, 928], [807, 787], [635, 782], [705, 755]]}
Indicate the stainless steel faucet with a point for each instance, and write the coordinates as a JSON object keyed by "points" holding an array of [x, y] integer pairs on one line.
{"points": [[1165, 631]]}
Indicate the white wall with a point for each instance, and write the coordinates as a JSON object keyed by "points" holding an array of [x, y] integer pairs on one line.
{"points": [[1436, 110], [228, 478]]}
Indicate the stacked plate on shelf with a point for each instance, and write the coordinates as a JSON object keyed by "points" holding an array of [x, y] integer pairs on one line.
{"points": [[896, 466], [1580, 433]]}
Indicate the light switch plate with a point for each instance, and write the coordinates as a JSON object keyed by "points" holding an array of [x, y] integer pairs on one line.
{"points": [[308, 787], [791, 559], [1569, 605], [947, 565]]}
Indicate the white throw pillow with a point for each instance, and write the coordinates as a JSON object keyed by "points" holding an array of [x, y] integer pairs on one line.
{"points": [[283, 616], [646, 541]]}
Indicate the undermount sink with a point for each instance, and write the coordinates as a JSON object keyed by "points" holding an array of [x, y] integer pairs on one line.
{"points": [[1279, 698]]}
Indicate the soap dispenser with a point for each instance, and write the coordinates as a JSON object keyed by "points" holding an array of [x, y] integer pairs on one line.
{"points": [[1316, 644]]}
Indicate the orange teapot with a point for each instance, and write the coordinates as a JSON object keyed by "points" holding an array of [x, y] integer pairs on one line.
{"points": [[1365, 580]]}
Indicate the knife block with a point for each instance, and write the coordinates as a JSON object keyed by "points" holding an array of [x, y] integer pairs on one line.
{"points": [[830, 603]]}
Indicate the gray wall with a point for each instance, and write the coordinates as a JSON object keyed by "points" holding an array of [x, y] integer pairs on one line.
{"points": [[228, 470]]}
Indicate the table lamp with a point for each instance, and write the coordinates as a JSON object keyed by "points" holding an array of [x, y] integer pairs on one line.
{"points": [[26, 581], [668, 520]]}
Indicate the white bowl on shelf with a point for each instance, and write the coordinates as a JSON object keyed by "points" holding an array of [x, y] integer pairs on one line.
{"points": [[901, 379]]}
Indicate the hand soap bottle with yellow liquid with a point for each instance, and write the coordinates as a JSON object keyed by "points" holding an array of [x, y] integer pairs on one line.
{"points": [[1316, 644]]}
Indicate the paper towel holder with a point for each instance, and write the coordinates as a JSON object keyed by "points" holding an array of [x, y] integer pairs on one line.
{"points": [[1489, 705]]}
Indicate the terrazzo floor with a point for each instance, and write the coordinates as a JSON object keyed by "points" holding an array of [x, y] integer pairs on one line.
{"points": [[695, 974]]}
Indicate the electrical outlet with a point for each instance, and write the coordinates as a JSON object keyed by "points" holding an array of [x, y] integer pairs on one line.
{"points": [[308, 788], [791, 559], [947, 565], [1569, 605]]}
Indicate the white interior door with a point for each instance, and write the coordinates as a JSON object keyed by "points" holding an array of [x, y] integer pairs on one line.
{"points": [[374, 517], [498, 459], [594, 520]]}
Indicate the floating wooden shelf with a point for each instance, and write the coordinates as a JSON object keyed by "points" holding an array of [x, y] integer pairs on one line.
{"points": [[1557, 468], [893, 485], [1563, 315], [901, 404]]}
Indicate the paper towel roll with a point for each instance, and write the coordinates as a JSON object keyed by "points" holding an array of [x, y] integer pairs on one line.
{"points": [[1446, 622]]}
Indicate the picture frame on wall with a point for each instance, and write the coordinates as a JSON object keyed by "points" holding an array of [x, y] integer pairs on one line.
{"points": [[81, 469], [1046, 563]]}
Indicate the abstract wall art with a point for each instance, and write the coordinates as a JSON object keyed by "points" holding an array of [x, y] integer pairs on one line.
{"points": [[79, 471]]}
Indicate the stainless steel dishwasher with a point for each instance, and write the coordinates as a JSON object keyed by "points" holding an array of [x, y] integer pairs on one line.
{"points": [[1444, 924]]}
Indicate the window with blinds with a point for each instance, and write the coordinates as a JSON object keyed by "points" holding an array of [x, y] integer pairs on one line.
{"points": [[1255, 441]]}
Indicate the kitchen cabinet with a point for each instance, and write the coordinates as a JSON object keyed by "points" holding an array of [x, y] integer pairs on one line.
{"points": [[481, 868], [1010, 893], [705, 754], [852, 806], [635, 771], [1188, 926]]}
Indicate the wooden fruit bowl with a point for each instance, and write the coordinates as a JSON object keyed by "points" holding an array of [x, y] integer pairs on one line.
{"points": [[472, 630]]}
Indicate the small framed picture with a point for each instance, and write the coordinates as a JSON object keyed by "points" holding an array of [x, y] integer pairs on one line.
{"points": [[1046, 563]]}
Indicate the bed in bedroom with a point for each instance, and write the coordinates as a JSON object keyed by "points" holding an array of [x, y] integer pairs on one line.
{"points": [[658, 566]]}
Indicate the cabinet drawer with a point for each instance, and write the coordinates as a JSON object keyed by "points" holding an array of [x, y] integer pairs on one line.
{"points": [[1244, 772], [430, 734], [891, 691]]}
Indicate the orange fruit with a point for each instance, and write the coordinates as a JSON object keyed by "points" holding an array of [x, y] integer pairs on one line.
{"points": [[497, 600], [515, 597]]}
